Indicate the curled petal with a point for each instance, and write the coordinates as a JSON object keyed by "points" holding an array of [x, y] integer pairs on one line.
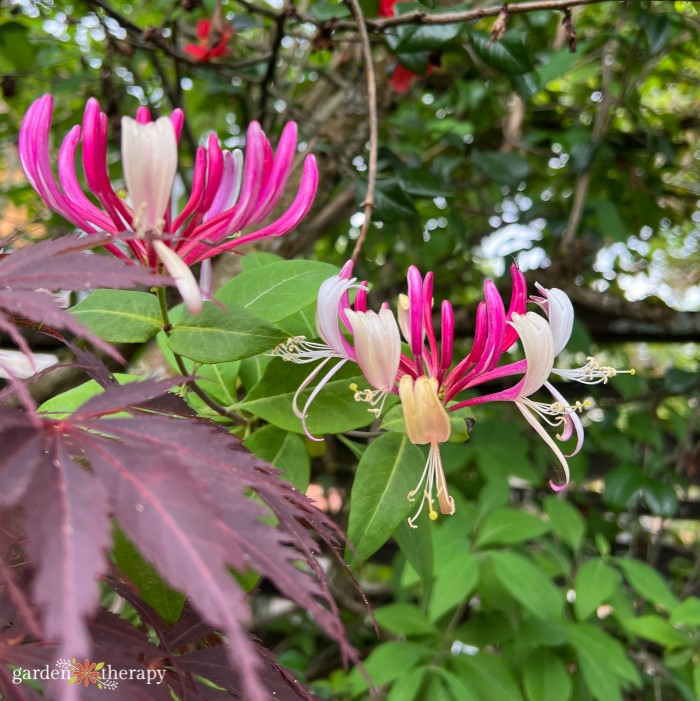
{"points": [[550, 442], [184, 279]]}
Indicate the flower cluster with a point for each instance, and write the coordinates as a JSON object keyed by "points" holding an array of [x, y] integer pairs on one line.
{"points": [[425, 379], [230, 192]]}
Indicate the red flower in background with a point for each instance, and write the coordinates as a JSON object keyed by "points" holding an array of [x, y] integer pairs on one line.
{"points": [[213, 41], [386, 8], [401, 78]]}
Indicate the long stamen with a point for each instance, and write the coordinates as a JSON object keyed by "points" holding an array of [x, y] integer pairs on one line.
{"points": [[592, 373], [317, 389]]}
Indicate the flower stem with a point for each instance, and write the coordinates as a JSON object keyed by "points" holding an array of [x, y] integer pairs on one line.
{"points": [[190, 383]]}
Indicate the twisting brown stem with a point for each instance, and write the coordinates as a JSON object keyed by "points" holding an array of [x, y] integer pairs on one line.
{"points": [[373, 129]]}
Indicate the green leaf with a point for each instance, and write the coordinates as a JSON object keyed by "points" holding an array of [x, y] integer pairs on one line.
{"points": [[258, 259], [621, 486], [388, 662], [405, 619], [558, 64], [421, 183], [409, 686], [410, 38], [657, 630], [387, 472], [595, 582], [505, 526], [509, 55], [647, 582], [602, 661], [16, 49], [687, 613], [453, 584], [489, 675], [566, 521], [492, 496], [610, 221], [283, 450], [327, 10], [661, 498], [417, 546], [546, 678], [459, 690], [506, 168], [277, 290], [657, 28], [154, 591], [120, 316], [393, 421], [332, 411], [527, 584], [67, 402], [216, 336], [390, 201]]}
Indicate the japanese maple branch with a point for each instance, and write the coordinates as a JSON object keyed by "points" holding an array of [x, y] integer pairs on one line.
{"points": [[190, 383], [373, 131]]}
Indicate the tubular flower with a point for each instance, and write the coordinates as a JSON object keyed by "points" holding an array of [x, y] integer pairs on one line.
{"points": [[230, 193], [427, 422], [377, 345], [427, 384]]}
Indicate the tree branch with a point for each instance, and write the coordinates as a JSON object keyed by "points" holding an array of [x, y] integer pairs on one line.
{"points": [[373, 128]]}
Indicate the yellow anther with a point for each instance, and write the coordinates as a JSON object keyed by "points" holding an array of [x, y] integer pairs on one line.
{"points": [[633, 371], [587, 404], [433, 515], [353, 387]]}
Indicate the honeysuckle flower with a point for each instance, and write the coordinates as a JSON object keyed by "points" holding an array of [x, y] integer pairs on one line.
{"points": [[427, 422], [230, 193], [18, 364], [376, 349]]}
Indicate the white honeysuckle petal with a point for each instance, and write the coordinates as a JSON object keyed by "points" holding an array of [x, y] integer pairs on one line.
{"points": [[14, 363], [182, 276], [149, 162], [538, 345], [377, 346], [238, 162], [561, 318], [330, 295], [550, 442], [404, 314]]}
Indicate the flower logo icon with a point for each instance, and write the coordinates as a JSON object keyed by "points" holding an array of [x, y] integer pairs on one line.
{"points": [[86, 673]]}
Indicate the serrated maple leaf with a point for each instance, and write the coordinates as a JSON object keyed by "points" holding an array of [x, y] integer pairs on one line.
{"points": [[180, 490], [27, 274]]}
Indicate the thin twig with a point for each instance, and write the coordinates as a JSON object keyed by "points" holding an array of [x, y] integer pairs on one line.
{"points": [[190, 383], [269, 77], [194, 387], [373, 130]]}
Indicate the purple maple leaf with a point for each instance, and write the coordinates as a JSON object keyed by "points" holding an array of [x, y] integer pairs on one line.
{"points": [[27, 274], [180, 489]]}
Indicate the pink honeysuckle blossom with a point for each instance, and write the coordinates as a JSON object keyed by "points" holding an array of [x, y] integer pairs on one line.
{"points": [[376, 337], [230, 193], [427, 422]]}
